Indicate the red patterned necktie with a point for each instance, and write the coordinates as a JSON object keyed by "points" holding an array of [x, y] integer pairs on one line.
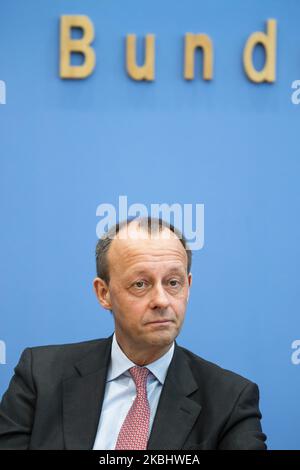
{"points": [[134, 431]]}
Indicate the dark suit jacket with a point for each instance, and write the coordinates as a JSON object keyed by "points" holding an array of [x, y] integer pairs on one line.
{"points": [[54, 401]]}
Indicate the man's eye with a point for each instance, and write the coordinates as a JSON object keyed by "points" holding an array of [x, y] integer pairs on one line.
{"points": [[139, 284], [174, 282]]}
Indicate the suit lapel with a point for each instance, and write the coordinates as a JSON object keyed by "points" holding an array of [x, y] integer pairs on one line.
{"points": [[83, 395], [176, 412]]}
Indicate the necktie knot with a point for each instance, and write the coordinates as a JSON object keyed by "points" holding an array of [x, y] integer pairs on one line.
{"points": [[139, 375]]}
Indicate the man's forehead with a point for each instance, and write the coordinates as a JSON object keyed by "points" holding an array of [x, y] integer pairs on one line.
{"points": [[147, 246]]}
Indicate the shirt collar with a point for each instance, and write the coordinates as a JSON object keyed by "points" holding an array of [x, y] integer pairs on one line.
{"points": [[120, 363]]}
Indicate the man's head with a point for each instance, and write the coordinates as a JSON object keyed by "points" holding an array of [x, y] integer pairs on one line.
{"points": [[143, 277]]}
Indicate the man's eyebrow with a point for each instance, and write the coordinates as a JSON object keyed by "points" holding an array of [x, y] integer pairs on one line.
{"points": [[178, 271], [174, 269]]}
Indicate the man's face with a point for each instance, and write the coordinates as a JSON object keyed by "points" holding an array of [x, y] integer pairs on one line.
{"points": [[149, 287]]}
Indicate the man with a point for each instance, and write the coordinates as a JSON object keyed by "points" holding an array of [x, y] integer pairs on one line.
{"points": [[137, 389]]}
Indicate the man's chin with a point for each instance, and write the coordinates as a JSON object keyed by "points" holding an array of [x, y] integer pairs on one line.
{"points": [[161, 337]]}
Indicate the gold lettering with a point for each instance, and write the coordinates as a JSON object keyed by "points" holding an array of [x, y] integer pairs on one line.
{"points": [[268, 41], [192, 42], [146, 71], [82, 45]]}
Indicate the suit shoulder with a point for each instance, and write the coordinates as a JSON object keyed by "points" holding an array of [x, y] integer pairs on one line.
{"points": [[65, 347], [57, 357], [213, 372]]}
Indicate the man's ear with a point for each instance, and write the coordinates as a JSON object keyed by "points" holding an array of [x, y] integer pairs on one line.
{"points": [[189, 285], [102, 293]]}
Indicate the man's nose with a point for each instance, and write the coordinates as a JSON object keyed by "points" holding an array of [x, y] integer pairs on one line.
{"points": [[160, 298]]}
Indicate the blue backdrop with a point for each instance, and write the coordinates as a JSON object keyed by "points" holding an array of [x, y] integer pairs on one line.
{"points": [[68, 146]]}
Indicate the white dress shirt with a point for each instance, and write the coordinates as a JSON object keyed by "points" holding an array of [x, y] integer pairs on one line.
{"points": [[120, 392]]}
